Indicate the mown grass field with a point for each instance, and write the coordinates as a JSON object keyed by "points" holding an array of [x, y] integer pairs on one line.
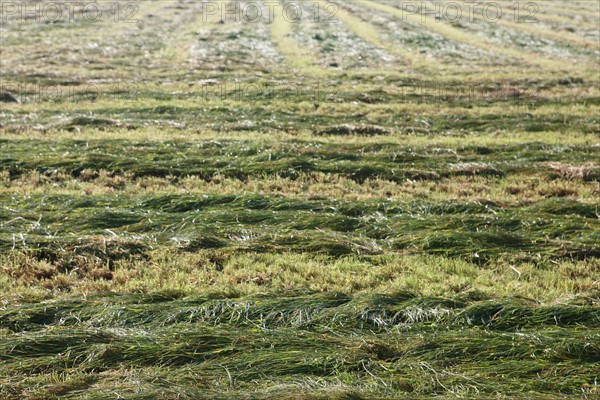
{"points": [[386, 207]]}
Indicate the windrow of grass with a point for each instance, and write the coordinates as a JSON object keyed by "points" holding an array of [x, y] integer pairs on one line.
{"points": [[309, 346], [317, 109], [244, 159], [405, 106], [553, 228], [378, 313], [509, 191]]}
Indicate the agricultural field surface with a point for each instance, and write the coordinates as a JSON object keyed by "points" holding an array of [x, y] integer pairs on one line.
{"points": [[289, 200]]}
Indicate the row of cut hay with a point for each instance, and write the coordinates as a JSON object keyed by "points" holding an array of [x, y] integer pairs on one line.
{"points": [[249, 358], [62, 228], [394, 162], [402, 311]]}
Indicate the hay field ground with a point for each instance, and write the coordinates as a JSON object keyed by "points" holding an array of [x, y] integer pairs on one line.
{"points": [[357, 203]]}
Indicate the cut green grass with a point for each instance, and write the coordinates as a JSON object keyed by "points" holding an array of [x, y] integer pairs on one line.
{"points": [[257, 346], [553, 228], [373, 209]]}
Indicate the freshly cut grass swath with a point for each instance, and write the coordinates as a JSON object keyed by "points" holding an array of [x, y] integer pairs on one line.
{"points": [[396, 311], [387, 343], [52, 224], [244, 159]]}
